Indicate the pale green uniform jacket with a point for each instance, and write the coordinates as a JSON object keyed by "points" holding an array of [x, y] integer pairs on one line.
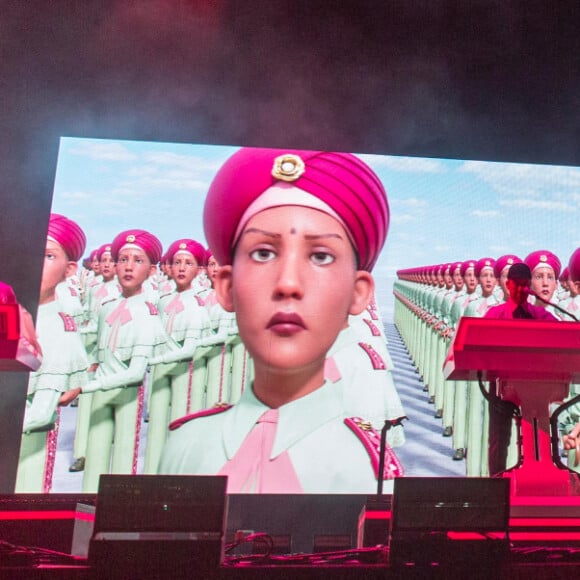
{"points": [[326, 455]]}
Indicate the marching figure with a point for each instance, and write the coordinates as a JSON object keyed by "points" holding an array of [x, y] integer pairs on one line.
{"points": [[130, 333], [64, 364], [174, 377]]}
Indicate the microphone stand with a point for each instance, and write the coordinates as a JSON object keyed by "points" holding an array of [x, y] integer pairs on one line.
{"points": [[373, 530], [562, 310], [388, 424]]}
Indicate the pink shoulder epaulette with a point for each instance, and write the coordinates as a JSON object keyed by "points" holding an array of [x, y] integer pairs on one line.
{"points": [[371, 439], [372, 310], [73, 292], [152, 308], [376, 359], [200, 300], [373, 327], [69, 322], [205, 413]]}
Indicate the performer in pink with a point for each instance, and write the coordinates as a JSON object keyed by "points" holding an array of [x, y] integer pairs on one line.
{"points": [[296, 234], [502, 437]]}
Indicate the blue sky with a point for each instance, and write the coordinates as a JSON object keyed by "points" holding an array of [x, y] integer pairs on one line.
{"points": [[441, 210]]}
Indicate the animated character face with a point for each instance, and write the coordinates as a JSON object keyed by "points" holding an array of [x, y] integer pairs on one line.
{"points": [[457, 279], [503, 280], [470, 280], [448, 278], [107, 267], [55, 269], [292, 285], [487, 281], [212, 268], [184, 268], [544, 282], [96, 265], [133, 268]]}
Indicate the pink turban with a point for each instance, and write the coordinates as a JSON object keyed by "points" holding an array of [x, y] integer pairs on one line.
{"points": [[574, 266], [503, 262], [68, 234], [348, 189], [483, 264], [187, 245], [140, 238], [104, 249], [466, 265], [544, 258]]}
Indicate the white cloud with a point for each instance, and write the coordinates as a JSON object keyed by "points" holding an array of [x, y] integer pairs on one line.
{"points": [[404, 164], [164, 181], [124, 191], [114, 210], [548, 205], [75, 195], [188, 163], [485, 213], [531, 181], [500, 250], [402, 218], [107, 151], [411, 202]]}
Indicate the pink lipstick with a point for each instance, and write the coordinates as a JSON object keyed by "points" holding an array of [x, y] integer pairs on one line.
{"points": [[286, 323]]}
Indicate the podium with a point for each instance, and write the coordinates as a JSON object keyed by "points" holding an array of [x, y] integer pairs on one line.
{"points": [[532, 364], [16, 352]]}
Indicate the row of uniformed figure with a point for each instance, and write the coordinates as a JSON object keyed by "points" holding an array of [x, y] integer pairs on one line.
{"points": [[126, 339], [429, 304], [203, 364], [151, 341]]}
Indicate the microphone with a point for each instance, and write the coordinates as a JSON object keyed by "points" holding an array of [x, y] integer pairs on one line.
{"points": [[530, 292]]}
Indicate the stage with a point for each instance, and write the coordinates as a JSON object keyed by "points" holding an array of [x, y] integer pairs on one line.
{"points": [[311, 537]]}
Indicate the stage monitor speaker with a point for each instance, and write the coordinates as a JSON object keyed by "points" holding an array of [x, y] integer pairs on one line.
{"points": [[158, 526], [449, 520]]}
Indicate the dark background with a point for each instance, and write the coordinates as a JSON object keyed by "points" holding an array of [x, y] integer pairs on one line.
{"points": [[492, 80]]}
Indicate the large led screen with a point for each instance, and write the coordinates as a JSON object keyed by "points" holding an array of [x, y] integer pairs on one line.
{"points": [[441, 211]]}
